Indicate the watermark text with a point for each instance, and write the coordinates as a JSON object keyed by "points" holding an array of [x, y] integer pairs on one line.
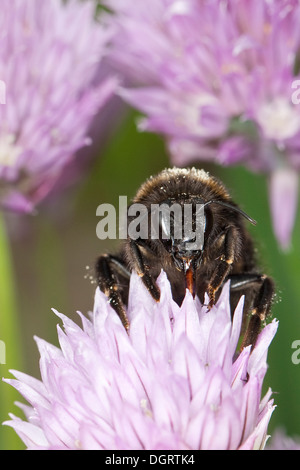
{"points": [[296, 354], [2, 92], [296, 94], [184, 223], [2, 352]]}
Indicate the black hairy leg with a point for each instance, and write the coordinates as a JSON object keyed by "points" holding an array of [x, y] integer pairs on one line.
{"points": [[223, 268], [142, 268], [109, 270], [259, 292]]}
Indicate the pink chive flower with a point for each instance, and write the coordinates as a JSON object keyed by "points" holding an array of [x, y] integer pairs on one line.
{"points": [[173, 382], [219, 80], [50, 64], [281, 441]]}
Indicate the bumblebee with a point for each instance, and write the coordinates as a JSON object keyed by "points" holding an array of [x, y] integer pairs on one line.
{"points": [[224, 250]]}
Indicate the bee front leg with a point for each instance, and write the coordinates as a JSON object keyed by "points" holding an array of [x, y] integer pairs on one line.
{"points": [[142, 269], [260, 310], [107, 269], [231, 240]]}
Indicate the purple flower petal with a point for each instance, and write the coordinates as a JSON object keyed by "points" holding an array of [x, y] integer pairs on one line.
{"points": [[175, 381], [283, 193]]}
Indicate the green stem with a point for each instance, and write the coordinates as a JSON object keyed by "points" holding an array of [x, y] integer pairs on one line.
{"points": [[10, 348]]}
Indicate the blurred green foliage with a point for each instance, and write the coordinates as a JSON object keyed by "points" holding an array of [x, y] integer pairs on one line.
{"points": [[51, 250]]}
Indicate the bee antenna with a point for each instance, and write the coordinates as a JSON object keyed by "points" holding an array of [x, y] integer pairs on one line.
{"points": [[233, 208]]}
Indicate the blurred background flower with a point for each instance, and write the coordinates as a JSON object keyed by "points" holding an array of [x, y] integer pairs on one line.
{"points": [[215, 79], [173, 383], [280, 441], [51, 60]]}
